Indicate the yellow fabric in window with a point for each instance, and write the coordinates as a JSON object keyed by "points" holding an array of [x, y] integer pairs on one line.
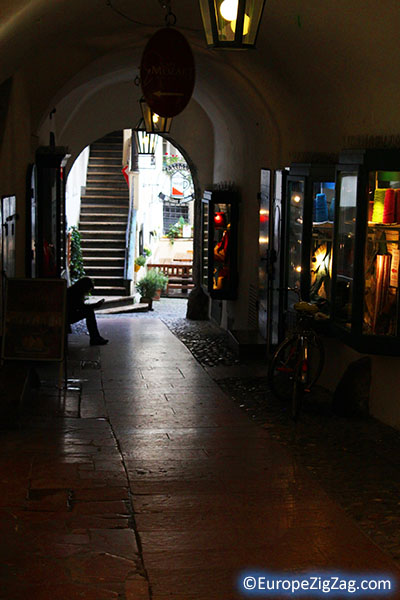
{"points": [[379, 203]]}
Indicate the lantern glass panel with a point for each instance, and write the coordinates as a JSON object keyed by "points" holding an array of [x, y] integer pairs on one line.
{"points": [[252, 18], [153, 122], [231, 23], [145, 142], [205, 14]]}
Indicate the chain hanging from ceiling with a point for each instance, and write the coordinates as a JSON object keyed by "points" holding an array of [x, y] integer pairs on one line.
{"points": [[170, 17]]}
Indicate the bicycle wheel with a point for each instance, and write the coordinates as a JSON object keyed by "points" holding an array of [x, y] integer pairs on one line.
{"points": [[315, 359], [298, 390], [282, 368], [281, 372]]}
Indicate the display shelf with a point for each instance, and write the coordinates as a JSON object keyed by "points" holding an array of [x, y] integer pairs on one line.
{"points": [[310, 201], [366, 254]]}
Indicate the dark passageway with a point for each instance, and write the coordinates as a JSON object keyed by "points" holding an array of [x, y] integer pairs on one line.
{"points": [[147, 481]]}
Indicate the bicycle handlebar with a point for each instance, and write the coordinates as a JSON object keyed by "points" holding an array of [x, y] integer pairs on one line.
{"points": [[290, 289]]}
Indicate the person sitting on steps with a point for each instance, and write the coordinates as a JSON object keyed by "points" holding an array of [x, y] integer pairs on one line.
{"points": [[78, 310]]}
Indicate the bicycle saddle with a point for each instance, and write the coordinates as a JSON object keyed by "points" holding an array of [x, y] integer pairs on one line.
{"points": [[306, 307]]}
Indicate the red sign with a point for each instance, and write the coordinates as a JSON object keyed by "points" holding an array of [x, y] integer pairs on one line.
{"points": [[167, 72]]}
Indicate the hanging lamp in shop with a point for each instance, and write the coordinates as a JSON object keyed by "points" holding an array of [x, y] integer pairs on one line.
{"points": [[231, 24]]}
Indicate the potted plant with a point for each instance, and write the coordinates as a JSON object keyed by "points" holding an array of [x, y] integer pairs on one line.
{"points": [[161, 280], [140, 261], [147, 287], [173, 233], [146, 252]]}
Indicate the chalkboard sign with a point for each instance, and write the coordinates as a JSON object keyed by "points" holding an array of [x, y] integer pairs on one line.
{"points": [[34, 322]]}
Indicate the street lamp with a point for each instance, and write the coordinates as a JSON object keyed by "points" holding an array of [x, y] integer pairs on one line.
{"points": [[145, 142], [154, 123], [231, 23]]}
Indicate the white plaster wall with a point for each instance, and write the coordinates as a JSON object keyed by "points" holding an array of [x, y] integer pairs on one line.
{"points": [[75, 182]]}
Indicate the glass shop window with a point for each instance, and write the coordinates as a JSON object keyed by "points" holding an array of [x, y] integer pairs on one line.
{"points": [[345, 247], [222, 247], [321, 243], [382, 254], [296, 199]]}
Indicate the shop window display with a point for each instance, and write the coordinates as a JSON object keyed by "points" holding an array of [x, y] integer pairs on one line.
{"points": [[311, 201], [219, 252], [367, 250]]}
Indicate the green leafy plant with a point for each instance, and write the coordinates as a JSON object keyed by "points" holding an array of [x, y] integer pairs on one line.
{"points": [[172, 233], [146, 252], [159, 277], [140, 260], [175, 230], [149, 284], [76, 269]]}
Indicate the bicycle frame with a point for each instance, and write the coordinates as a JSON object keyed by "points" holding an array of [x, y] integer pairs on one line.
{"points": [[298, 361]]}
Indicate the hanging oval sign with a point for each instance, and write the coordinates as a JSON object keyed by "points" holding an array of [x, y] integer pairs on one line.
{"points": [[167, 72]]}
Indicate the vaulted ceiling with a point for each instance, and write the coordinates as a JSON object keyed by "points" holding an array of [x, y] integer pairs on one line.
{"points": [[321, 71]]}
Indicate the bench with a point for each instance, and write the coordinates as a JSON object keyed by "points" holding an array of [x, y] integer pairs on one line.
{"points": [[179, 275]]}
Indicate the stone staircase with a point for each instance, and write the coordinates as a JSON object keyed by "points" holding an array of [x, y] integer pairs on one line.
{"points": [[104, 217]]}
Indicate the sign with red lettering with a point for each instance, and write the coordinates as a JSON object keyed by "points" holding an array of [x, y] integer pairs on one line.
{"points": [[167, 72]]}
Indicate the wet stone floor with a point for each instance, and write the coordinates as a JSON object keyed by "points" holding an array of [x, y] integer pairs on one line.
{"points": [[356, 460], [141, 480]]}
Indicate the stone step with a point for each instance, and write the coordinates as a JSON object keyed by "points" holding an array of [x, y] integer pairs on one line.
{"points": [[114, 290], [102, 194], [108, 160], [102, 217], [106, 184], [116, 195], [94, 174], [111, 280], [99, 208], [111, 138], [127, 308], [107, 235], [118, 226], [100, 163], [113, 301], [95, 244], [119, 304], [105, 150], [108, 261], [104, 272], [105, 171]]}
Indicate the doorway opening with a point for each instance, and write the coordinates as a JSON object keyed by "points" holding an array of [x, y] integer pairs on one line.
{"points": [[131, 213]]}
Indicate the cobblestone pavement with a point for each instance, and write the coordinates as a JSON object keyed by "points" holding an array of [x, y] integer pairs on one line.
{"points": [[357, 461]]}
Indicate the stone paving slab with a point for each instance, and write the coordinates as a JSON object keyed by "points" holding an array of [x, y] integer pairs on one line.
{"points": [[196, 550], [169, 497], [66, 516]]}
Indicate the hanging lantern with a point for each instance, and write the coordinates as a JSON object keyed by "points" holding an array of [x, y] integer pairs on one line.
{"points": [[145, 142], [153, 122], [231, 23]]}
